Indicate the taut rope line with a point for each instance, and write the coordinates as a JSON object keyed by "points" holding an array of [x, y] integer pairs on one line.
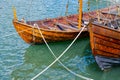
{"points": [[13, 33], [57, 59]]}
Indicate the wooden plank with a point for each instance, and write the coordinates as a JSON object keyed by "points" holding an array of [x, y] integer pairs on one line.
{"points": [[106, 54], [66, 26], [106, 43], [73, 22], [107, 49], [105, 31], [107, 39], [110, 13]]}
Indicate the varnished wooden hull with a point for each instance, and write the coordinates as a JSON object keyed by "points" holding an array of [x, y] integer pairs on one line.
{"points": [[105, 43], [30, 35]]}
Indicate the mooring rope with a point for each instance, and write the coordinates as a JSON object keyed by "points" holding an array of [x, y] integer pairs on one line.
{"points": [[13, 33], [33, 33], [57, 59]]}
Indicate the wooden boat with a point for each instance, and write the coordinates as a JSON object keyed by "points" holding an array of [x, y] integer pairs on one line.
{"points": [[55, 29], [105, 40]]}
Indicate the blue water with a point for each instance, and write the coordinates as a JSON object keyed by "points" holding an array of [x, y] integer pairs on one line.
{"points": [[21, 61]]}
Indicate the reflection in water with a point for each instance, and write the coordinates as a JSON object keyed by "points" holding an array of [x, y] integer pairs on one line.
{"points": [[79, 59], [38, 57]]}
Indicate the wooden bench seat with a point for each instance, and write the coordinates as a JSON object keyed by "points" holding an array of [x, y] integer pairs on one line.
{"points": [[66, 26]]}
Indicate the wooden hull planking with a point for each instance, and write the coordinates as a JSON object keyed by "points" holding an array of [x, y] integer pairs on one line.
{"points": [[32, 35], [105, 43]]}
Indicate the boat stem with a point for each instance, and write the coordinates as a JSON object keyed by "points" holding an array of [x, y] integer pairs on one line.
{"points": [[14, 13]]}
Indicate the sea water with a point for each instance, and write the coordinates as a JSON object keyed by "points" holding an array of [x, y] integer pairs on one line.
{"points": [[21, 61]]}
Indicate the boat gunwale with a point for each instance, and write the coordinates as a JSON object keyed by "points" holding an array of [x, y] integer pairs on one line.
{"points": [[106, 27], [48, 30]]}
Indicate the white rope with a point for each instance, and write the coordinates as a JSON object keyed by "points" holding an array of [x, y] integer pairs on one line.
{"points": [[11, 35], [33, 33], [57, 59]]}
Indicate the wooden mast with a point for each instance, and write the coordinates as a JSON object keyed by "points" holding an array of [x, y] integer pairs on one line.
{"points": [[80, 14], [67, 8]]}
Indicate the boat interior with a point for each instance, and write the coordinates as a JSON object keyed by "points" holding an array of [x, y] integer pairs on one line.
{"points": [[110, 19], [68, 23]]}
